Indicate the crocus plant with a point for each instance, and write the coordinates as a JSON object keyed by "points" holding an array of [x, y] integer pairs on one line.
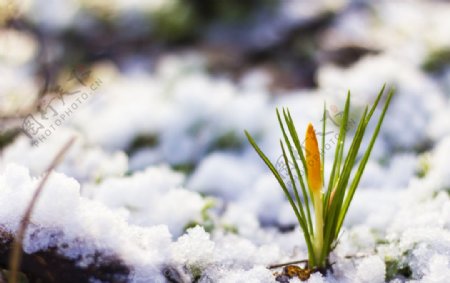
{"points": [[331, 198]]}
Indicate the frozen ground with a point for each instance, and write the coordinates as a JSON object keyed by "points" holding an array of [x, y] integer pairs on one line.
{"points": [[162, 178]]}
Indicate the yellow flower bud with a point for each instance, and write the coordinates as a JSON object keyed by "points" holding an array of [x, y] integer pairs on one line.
{"points": [[313, 160]]}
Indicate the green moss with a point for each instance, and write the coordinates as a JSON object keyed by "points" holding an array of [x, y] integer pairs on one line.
{"points": [[98, 180], [228, 141], [186, 168], [206, 221], [143, 141], [230, 229], [397, 268], [234, 11], [191, 224], [424, 165], [175, 22], [381, 242], [8, 137], [196, 272], [437, 61]]}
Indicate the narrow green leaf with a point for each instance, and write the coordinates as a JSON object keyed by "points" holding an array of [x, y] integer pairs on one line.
{"points": [[306, 232], [294, 136], [294, 185], [349, 162], [298, 171], [340, 189], [364, 160], [336, 203], [297, 144], [295, 139], [375, 104], [285, 190], [336, 164]]}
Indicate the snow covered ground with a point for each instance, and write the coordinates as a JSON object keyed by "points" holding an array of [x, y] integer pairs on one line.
{"points": [[162, 178]]}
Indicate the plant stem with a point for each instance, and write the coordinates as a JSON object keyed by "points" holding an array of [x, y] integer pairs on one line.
{"points": [[318, 239]]}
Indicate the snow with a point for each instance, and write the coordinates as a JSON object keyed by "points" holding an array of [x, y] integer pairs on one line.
{"points": [[223, 174], [141, 217], [76, 226], [141, 203], [371, 269], [194, 248], [83, 161], [411, 111], [151, 197]]}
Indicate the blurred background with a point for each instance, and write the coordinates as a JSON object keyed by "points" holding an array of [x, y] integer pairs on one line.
{"points": [[150, 51]]}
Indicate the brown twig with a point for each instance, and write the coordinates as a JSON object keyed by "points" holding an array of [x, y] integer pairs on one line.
{"points": [[288, 263], [360, 255], [16, 254]]}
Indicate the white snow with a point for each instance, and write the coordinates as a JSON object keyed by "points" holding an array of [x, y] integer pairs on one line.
{"points": [[111, 196]]}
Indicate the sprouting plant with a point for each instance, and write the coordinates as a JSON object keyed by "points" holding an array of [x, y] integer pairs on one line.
{"points": [[331, 198]]}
